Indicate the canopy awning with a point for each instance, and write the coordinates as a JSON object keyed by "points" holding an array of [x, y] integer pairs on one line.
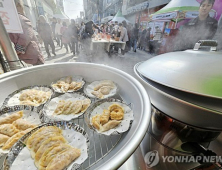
{"points": [[120, 18]]}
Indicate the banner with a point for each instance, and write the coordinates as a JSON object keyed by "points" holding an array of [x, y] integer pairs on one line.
{"points": [[166, 16], [9, 16]]}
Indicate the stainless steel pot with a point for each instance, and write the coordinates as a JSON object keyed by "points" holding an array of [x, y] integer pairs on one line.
{"points": [[131, 91], [186, 85]]}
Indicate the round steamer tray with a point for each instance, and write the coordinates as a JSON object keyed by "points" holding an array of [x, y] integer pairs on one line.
{"points": [[46, 113], [36, 108], [88, 88], [18, 147], [74, 78], [28, 112], [100, 106]]}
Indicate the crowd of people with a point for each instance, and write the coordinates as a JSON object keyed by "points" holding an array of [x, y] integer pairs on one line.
{"points": [[75, 37]]}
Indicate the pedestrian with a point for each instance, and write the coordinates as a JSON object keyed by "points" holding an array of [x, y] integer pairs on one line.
{"points": [[123, 35], [73, 33], [45, 33], [142, 41], [58, 27], [65, 36], [53, 25], [147, 39], [202, 27], [26, 43], [135, 36], [81, 33]]}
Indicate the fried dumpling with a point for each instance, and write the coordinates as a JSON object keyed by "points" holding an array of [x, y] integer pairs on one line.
{"points": [[11, 118], [68, 80], [47, 144], [104, 83], [12, 140], [3, 139], [110, 125], [104, 118], [116, 112], [50, 153], [105, 90], [63, 159], [96, 121], [98, 94], [85, 104], [8, 129], [21, 124], [41, 132]]}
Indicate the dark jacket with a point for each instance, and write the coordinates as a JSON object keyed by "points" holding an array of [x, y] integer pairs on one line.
{"points": [[196, 30], [45, 31]]}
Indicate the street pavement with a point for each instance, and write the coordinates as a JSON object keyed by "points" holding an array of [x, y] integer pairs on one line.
{"points": [[100, 56]]}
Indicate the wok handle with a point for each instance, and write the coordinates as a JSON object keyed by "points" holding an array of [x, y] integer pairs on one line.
{"points": [[208, 43]]}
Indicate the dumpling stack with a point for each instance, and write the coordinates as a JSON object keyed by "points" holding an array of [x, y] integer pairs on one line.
{"points": [[50, 150], [12, 128], [109, 119], [103, 88], [67, 107], [67, 85], [34, 97]]}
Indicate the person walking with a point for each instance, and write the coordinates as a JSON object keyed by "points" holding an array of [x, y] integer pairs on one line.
{"points": [[46, 34], [54, 21], [135, 36], [26, 43], [58, 34], [73, 32], [123, 35], [65, 36]]}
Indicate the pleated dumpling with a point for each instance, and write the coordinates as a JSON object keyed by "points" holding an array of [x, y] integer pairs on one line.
{"points": [[11, 118], [42, 132], [104, 118], [47, 144], [63, 159], [21, 124], [110, 125], [85, 104], [3, 139], [12, 140], [8, 129], [50, 153]]}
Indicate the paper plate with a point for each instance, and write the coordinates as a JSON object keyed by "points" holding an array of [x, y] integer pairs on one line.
{"points": [[74, 78], [99, 106], [89, 88], [49, 108]]}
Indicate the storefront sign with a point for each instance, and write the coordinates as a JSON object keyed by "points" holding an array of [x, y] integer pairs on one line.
{"points": [[164, 16], [10, 16]]}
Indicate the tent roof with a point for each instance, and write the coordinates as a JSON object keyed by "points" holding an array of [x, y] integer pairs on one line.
{"points": [[120, 18], [179, 5]]}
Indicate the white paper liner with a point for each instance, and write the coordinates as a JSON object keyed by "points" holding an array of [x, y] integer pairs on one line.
{"points": [[90, 88], [74, 78], [51, 106], [24, 161], [29, 116], [125, 123], [14, 100]]}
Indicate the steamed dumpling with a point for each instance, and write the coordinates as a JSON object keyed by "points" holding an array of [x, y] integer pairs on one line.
{"points": [[21, 124], [3, 139], [63, 159], [110, 125], [8, 129], [11, 118]]}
